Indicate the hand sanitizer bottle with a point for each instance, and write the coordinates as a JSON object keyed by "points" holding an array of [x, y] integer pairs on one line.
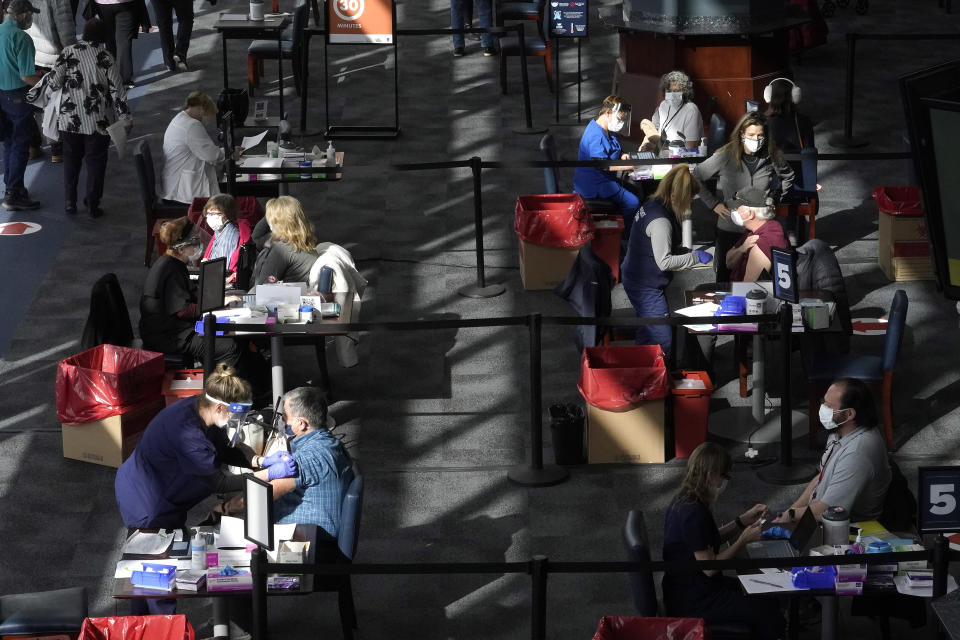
{"points": [[331, 155], [702, 150], [198, 553]]}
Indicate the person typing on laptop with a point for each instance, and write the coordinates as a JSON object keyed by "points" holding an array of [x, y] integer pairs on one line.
{"points": [[690, 532], [854, 469]]}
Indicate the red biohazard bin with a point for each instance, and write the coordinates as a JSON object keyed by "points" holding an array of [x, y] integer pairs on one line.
{"points": [[162, 627], [552, 227], [637, 628], [606, 241], [690, 393], [903, 247]]}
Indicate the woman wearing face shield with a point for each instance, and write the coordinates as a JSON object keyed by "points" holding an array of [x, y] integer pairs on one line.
{"points": [[190, 157], [677, 117], [178, 459], [749, 159], [691, 533], [599, 143]]}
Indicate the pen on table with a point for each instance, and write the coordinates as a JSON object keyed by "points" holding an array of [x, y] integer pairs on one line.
{"points": [[769, 584]]}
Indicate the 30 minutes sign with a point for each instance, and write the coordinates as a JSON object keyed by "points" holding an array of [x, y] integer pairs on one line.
{"points": [[360, 21]]}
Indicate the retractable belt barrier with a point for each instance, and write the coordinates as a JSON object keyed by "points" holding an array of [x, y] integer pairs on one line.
{"points": [[540, 567]]}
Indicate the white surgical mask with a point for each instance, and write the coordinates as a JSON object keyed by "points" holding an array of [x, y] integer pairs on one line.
{"points": [[615, 124], [673, 97], [736, 217], [752, 145], [826, 418], [215, 222]]}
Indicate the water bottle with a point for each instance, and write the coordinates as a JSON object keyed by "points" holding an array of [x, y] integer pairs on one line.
{"points": [[331, 155], [702, 149], [256, 10], [836, 526], [198, 553]]}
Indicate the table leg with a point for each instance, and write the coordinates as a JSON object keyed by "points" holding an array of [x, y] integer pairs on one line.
{"points": [[223, 42], [829, 617], [304, 66], [283, 189], [759, 384], [221, 619], [320, 346], [280, 72], [793, 619], [276, 365]]}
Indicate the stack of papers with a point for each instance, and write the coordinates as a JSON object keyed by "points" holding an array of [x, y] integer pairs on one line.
{"points": [[770, 581], [703, 309], [148, 544]]}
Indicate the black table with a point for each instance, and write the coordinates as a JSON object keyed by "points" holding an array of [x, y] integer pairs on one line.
{"points": [[267, 29], [947, 610]]}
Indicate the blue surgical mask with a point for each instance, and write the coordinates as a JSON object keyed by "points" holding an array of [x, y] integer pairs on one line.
{"points": [[288, 430]]}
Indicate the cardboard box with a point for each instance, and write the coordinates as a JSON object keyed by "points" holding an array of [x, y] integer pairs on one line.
{"points": [[217, 581], [906, 260], [895, 228], [544, 267], [109, 441], [635, 436], [292, 552]]}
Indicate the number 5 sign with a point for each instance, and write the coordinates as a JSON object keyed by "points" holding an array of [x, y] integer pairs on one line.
{"points": [[360, 21], [939, 490], [784, 268]]}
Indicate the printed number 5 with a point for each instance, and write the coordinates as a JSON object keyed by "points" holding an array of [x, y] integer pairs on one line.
{"points": [[783, 276], [941, 500]]}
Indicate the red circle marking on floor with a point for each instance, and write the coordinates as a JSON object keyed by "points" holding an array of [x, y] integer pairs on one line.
{"points": [[869, 326], [18, 228]]}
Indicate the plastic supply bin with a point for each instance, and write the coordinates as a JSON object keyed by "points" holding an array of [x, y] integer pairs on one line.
{"points": [[690, 397], [637, 628], [181, 383], [903, 250], [551, 228], [606, 241]]}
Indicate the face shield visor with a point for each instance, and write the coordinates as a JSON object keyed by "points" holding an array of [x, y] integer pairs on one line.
{"points": [[192, 240], [236, 418], [619, 121]]}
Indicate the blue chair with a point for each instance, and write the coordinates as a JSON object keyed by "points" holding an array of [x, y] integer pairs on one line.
{"points": [[717, 134], [641, 582], [45, 613], [875, 370], [551, 181], [291, 48], [804, 200], [536, 42]]}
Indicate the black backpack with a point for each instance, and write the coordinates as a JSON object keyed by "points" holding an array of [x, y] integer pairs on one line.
{"points": [[900, 505], [246, 258]]}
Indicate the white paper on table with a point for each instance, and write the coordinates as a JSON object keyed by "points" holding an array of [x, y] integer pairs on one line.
{"points": [[772, 570], [699, 310], [147, 544], [260, 162], [234, 16], [249, 142], [118, 134], [768, 583], [921, 592], [231, 533]]}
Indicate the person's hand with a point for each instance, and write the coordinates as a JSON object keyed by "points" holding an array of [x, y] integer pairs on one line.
{"points": [[749, 243], [782, 518], [751, 533], [271, 279], [625, 156], [722, 211], [232, 299], [237, 152], [703, 256], [284, 469], [754, 513], [274, 458]]}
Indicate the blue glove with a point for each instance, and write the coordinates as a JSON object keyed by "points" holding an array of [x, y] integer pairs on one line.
{"points": [[283, 469], [776, 532], [703, 256], [273, 459]]}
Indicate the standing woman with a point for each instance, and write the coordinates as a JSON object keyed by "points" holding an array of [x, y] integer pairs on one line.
{"points": [[599, 143], [92, 97], [123, 18], [749, 159], [53, 29], [690, 533], [292, 249], [174, 53], [177, 462], [653, 253]]}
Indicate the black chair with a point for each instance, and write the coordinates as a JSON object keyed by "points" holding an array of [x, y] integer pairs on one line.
{"points": [[291, 48], [153, 209], [717, 135], [551, 182], [641, 582], [513, 11], [45, 613]]}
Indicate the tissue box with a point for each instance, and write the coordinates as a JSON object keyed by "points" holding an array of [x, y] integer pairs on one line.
{"points": [[155, 576], [816, 315], [292, 552], [848, 588], [910, 565], [217, 581], [232, 557], [851, 573]]}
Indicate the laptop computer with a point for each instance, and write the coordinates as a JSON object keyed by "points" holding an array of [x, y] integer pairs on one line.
{"points": [[792, 548]]}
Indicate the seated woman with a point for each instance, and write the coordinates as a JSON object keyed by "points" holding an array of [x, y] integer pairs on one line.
{"points": [[599, 143], [168, 307], [229, 233], [654, 253], [690, 533], [292, 248], [750, 255], [190, 157], [677, 117]]}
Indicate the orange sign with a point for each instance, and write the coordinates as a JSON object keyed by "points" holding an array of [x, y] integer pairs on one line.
{"points": [[360, 21]]}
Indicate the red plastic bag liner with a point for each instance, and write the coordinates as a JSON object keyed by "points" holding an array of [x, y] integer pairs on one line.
{"points": [[553, 220], [637, 628], [106, 381], [172, 627], [622, 377], [898, 201]]}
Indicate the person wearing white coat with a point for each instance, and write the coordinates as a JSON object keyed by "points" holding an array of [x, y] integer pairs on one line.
{"points": [[190, 156]]}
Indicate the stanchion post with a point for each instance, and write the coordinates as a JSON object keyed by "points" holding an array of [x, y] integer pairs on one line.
{"points": [[941, 565], [847, 141], [480, 289], [535, 474], [538, 598], [258, 571], [525, 81], [209, 344]]}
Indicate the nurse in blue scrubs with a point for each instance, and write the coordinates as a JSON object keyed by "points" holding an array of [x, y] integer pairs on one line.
{"points": [[599, 143], [177, 462]]}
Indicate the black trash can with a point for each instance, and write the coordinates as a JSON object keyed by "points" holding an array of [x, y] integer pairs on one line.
{"points": [[566, 429]]}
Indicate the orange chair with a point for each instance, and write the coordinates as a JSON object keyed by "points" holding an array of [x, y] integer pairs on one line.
{"points": [[537, 43]]}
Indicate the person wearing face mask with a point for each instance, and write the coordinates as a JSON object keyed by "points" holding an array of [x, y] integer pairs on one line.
{"points": [[691, 533], [220, 214], [599, 143], [677, 117], [191, 158], [313, 495], [653, 253], [750, 256], [749, 159], [854, 468], [178, 462]]}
